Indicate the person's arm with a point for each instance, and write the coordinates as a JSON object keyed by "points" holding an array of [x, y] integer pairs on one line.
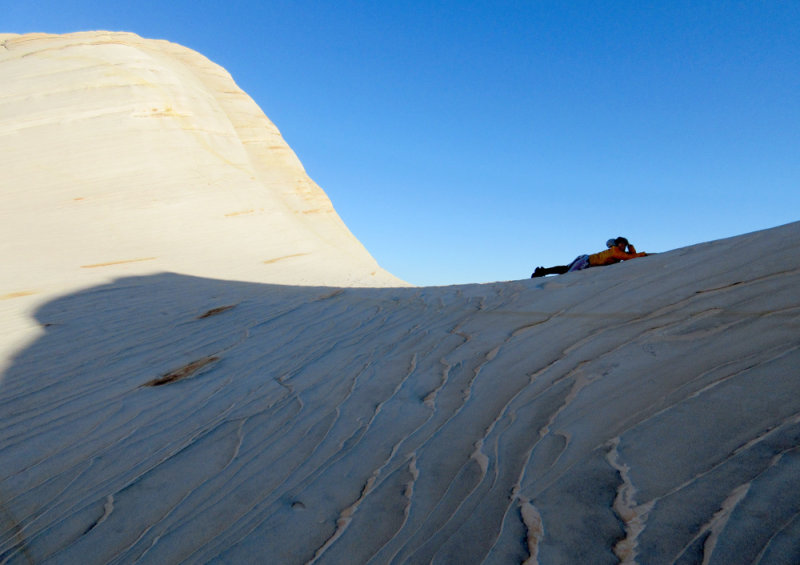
{"points": [[632, 251], [621, 255]]}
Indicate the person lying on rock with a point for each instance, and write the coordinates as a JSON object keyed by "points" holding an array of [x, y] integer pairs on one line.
{"points": [[619, 249]]}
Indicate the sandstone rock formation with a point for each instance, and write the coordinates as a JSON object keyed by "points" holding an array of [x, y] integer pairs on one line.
{"points": [[122, 156], [647, 412], [118, 150]]}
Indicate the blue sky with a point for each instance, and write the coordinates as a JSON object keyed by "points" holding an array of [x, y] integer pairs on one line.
{"points": [[472, 141]]}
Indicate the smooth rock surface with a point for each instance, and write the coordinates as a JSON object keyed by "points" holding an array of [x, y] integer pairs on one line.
{"points": [[122, 156]]}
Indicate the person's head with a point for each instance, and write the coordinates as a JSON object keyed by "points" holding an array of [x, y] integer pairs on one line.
{"points": [[617, 242]]}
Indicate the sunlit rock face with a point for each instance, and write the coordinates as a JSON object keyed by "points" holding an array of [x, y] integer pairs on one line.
{"points": [[121, 155]]}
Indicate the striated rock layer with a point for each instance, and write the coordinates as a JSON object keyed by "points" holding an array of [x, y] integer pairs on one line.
{"points": [[647, 412]]}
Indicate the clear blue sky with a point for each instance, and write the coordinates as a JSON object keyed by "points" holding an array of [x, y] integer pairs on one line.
{"points": [[468, 141]]}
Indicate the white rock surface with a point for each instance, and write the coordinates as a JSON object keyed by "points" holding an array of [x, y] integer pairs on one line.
{"points": [[647, 412], [122, 156]]}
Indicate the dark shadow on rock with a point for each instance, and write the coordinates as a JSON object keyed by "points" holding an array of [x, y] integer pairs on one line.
{"points": [[126, 376], [170, 418]]}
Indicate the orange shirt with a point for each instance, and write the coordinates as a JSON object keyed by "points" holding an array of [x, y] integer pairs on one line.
{"points": [[613, 255]]}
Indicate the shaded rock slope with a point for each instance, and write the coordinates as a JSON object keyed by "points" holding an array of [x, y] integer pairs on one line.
{"points": [[645, 412]]}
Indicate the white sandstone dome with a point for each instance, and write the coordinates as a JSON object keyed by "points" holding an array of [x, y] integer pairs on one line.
{"points": [[122, 155]]}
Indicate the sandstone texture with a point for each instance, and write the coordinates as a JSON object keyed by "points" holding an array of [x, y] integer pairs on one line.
{"points": [[121, 155], [250, 399]]}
